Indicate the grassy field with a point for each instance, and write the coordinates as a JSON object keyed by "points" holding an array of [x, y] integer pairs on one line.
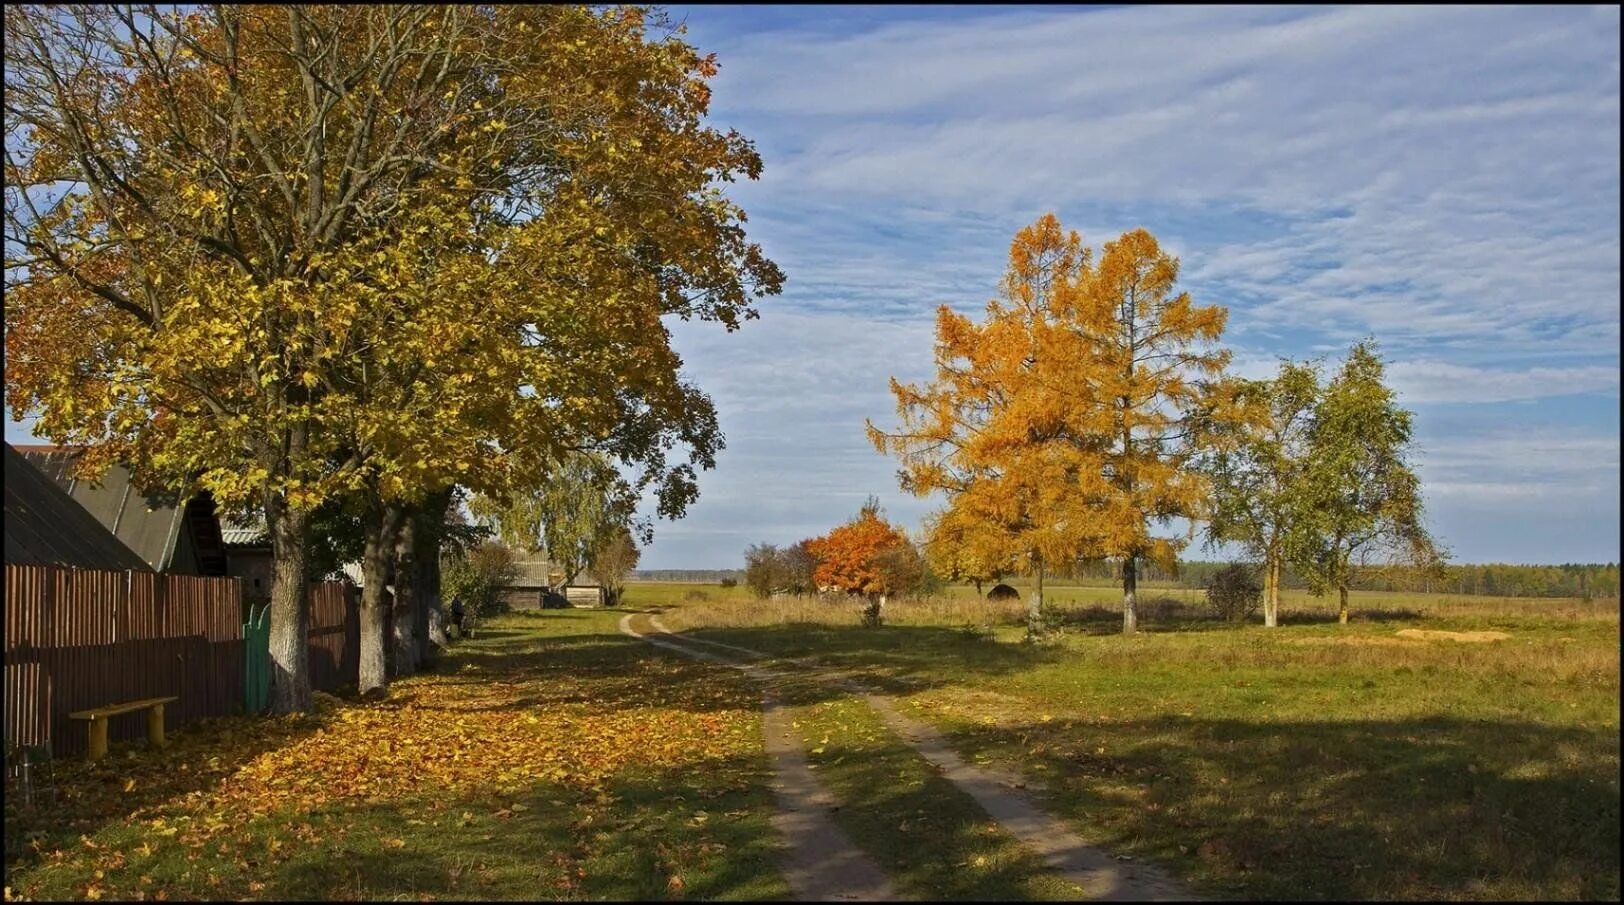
{"points": [[1314, 760], [550, 758], [554, 758]]}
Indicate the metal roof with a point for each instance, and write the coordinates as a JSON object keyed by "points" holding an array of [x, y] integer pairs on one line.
{"points": [[239, 534], [171, 535], [148, 523], [45, 526], [537, 573]]}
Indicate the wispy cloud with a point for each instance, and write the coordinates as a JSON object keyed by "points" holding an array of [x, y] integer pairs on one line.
{"points": [[1444, 179], [1439, 381]]}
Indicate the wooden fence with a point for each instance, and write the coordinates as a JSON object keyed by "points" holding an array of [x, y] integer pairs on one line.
{"points": [[81, 638]]}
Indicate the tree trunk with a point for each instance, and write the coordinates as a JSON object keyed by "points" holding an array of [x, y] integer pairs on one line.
{"points": [[1271, 590], [978, 589], [1130, 586], [1342, 610], [383, 521], [1034, 604], [407, 597], [290, 606], [436, 632], [431, 521]]}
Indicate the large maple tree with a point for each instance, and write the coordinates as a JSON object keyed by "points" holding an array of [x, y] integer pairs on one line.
{"points": [[292, 253]]}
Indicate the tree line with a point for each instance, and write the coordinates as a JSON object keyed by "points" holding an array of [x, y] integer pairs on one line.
{"points": [[340, 263], [1487, 579]]}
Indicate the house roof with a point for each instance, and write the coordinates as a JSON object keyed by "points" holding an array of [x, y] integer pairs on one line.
{"points": [[148, 523], [46, 526], [537, 572], [167, 532], [244, 534]]}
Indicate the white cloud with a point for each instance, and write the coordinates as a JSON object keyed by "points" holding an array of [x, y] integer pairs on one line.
{"points": [[1471, 155], [1439, 381], [1445, 179]]}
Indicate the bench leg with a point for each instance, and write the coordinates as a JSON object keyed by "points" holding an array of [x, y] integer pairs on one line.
{"points": [[155, 725], [98, 738]]}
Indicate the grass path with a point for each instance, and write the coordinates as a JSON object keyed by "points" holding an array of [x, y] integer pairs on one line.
{"points": [[1093, 873]]}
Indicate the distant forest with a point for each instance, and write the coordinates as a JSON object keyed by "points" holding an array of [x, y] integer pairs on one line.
{"points": [[1488, 579]]}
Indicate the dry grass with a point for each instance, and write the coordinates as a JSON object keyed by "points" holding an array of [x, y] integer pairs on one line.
{"points": [[785, 611]]}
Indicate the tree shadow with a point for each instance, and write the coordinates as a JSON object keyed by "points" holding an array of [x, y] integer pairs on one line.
{"points": [[624, 841], [1168, 614], [85, 796], [1429, 808], [891, 658], [1363, 614]]}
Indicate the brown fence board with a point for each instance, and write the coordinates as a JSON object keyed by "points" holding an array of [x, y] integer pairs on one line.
{"points": [[81, 638]]}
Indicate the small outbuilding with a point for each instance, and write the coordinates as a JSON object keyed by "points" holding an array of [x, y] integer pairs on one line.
{"points": [[537, 586]]}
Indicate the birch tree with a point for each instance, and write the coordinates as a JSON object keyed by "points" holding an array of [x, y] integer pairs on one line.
{"points": [[1363, 499], [1260, 491]]}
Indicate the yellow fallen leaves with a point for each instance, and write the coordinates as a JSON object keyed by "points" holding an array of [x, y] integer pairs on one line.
{"points": [[500, 729], [457, 735]]}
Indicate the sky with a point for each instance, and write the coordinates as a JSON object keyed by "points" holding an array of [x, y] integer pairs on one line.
{"points": [[1443, 179]]}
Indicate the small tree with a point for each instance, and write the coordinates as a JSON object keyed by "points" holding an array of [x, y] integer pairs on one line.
{"points": [[1233, 593], [903, 568], [867, 556], [958, 551], [1258, 491], [763, 570], [799, 565], [480, 576], [1362, 500], [613, 559]]}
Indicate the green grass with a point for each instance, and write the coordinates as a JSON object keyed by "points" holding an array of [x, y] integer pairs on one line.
{"points": [[933, 839], [630, 803], [553, 758], [1310, 761]]}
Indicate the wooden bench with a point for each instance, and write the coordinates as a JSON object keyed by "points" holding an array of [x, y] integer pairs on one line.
{"points": [[98, 722]]}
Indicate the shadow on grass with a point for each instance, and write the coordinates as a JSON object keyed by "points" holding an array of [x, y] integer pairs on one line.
{"points": [[1374, 614], [1167, 614], [893, 658], [137, 779], [644, 834], [637, 840], [1429, 808]]}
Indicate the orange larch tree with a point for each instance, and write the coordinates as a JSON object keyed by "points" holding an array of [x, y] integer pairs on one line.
{"points": [[1061, 427]]}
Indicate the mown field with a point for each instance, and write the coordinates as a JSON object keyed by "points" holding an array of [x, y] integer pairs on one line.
{"points": [[1310, 761]]}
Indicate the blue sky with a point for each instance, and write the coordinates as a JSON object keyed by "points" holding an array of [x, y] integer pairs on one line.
{"points": [[1444, 179]]}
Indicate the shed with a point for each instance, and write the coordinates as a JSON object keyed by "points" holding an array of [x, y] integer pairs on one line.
{"points": [[535, 577]]}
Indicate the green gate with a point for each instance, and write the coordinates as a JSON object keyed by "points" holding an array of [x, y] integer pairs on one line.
{"points": [[256, 639]]}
